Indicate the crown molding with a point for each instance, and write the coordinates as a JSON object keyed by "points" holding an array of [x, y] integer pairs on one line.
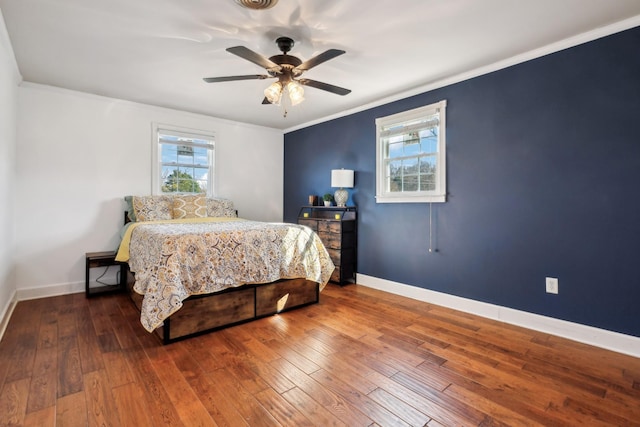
{"points": [[499, 65]]}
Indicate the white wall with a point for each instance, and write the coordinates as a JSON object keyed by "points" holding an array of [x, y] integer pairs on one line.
{"points": [[78, 155], [9, 80]]}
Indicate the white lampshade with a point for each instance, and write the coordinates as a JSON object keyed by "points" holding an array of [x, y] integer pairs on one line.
{"points": [[342, 178]]}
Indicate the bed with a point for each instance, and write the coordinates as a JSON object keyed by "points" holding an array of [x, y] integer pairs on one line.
{"points": [[196, 267]]}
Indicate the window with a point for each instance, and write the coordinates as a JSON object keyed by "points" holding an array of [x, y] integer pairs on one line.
{"points": [[183, 161], [410, 159]]}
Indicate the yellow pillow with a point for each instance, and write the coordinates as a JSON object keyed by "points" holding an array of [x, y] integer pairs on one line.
{"points": [[192, 206]]}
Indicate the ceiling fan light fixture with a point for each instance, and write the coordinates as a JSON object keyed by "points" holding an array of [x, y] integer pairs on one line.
{"points": [[273, 93], [296, 92], [257, 4]]}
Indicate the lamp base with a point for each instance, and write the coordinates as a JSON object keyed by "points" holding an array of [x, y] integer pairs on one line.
{"points": [[341, 196]]}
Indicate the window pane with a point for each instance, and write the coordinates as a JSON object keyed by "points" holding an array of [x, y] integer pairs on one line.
{"points": [[429, 142], [395, 149], [201, 157], [201, 173], [166, 171], [410, 175], [410, 166], [428, 173], [427, 182], [410, 183], [428, 164], [412, 145], [395, 176], [169, 153], [185, 154]]}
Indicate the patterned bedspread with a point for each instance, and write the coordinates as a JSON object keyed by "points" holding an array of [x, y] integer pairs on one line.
{"points": [[172, 261]]}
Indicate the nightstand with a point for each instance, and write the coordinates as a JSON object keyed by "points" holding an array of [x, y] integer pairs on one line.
{"points": [[337, 229], [104, 259]]}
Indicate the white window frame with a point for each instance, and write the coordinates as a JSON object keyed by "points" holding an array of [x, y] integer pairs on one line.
{"points": [[156, 159], [383, 195]]}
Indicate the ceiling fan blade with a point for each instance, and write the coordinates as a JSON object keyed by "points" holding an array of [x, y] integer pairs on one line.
{"points": [[254, 57], [324, 86], [233, 78], [317, 60], [265, 101]]}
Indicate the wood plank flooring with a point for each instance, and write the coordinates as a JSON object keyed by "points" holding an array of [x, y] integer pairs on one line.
{"points": [[360, 357]]}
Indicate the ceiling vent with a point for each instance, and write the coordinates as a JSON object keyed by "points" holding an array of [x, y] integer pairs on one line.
{"points": [[257, 4]]}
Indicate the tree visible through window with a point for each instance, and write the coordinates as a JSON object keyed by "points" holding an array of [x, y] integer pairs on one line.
{"points": [[181, 182], [411, 156], [185, 162]]}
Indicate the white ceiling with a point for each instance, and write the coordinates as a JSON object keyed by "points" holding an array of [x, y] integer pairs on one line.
{"points": [[157, 51]]}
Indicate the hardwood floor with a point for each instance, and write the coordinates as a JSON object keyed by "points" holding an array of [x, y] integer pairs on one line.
{"points": [[359, 358]]}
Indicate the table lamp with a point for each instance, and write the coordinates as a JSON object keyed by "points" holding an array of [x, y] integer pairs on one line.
{"points": [[341, 178]]}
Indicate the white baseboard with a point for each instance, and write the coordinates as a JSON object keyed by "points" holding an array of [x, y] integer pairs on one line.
{"points": [[50, 291], [6, 313], [34, 293], [609, 340]]}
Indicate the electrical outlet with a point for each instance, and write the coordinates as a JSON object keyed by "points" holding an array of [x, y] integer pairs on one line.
{"points": [[552, 285]]}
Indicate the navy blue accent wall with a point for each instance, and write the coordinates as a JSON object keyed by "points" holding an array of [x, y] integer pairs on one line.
{"points": [[543, 165]]}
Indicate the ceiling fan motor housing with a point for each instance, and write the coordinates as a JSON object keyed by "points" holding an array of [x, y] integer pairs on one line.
{"points": [[285, 44], [286, 60], [257, 4]]}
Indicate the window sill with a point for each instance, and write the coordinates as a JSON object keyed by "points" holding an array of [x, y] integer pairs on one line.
{"points": [[411, 199]]}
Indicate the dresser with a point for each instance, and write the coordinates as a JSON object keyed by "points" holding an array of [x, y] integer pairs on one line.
{"points": [[337, 228]]}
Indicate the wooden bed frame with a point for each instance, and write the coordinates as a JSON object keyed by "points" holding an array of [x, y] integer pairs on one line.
{"points": [[201, 314]]}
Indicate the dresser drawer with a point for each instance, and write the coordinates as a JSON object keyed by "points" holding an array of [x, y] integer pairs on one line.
{"points": [[337, 226], [330, 226], [331, 240], [311, 223], [336, 256], [337, 241]]}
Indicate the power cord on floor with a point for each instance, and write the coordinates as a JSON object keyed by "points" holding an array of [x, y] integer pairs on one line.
{"points": [[105, 272]]}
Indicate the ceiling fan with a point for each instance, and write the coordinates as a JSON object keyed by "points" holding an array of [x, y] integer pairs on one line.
{"points": [[287, 69]]}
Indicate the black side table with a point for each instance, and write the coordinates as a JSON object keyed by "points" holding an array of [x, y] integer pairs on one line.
{"points": [[104, 259]]}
